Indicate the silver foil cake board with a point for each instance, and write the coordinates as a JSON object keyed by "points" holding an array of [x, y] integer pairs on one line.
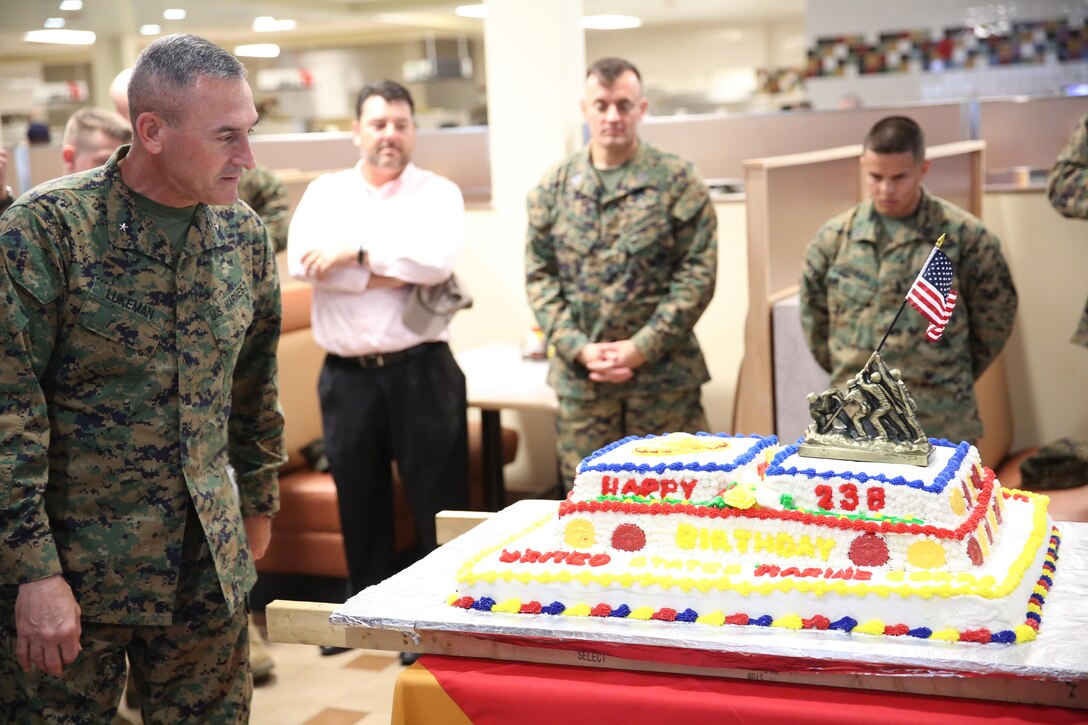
{"points": [[410, 612]]}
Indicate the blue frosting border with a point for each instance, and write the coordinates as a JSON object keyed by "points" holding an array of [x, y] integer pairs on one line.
{"points": [[940, 481], [642, 468]]}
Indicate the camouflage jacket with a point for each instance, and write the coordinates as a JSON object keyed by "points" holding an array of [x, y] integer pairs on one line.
{"points": [[855, 279], [1067, 187], [639, 263], [128, 381], [266, 195]]}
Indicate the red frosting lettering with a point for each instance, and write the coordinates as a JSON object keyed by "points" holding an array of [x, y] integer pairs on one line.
{"points": [[649, 485], [577, 558], [814, 571], [631, 488], [863, 576], [530, 557], [609, 486], [667, 487], [767, 570], [790, 571], [508, 557], [688, 487], [599, 559]]}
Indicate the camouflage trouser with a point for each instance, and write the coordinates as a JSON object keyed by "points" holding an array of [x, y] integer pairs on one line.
{"points": [[583, 426], [195, 670], [1057, 465]]}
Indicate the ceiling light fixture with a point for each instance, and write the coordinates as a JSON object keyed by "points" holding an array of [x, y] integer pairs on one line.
{"points": [[60, 36], [257, 50], [174, 14], [471, 11], [610, 22], [150, 29], [71, 6], [268, 24], [53, 23]]}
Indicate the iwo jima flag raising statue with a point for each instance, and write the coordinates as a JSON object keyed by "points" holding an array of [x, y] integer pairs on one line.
{"points": [[874, 418]]}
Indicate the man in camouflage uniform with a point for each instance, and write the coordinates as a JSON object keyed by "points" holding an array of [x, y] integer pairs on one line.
{"points": [[858, 268], [621, 261], [139, 317], [7, 194], [1067, 188], [265, 193]]}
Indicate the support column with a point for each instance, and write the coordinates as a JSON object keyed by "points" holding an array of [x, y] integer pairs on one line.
{"points": [[535, 67]]}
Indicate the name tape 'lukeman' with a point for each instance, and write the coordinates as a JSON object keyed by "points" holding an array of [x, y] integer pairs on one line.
{"points": [[931, 294]]}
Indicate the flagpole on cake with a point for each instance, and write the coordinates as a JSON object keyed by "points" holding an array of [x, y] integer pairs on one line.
{"points": [[874, 419]]}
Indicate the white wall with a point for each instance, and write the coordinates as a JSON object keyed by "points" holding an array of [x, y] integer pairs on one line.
{"points": [[1048, 375], [712, 60]]}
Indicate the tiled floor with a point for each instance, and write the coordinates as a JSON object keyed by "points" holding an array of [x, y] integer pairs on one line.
{"points": [[308, 689]]}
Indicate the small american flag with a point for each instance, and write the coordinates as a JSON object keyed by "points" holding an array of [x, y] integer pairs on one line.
{"points": [[931, 293]]}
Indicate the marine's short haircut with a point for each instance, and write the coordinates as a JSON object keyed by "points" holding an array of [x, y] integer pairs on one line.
{"points": [[897, 135], [607, 70], [172, 64], [389, 90], [89, 119]]}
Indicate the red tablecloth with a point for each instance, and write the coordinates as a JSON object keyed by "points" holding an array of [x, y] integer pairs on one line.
{"points": [[492, 692]]}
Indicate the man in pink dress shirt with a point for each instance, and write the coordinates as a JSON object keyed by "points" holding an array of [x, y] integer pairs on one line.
{"points": [[364, 238]]}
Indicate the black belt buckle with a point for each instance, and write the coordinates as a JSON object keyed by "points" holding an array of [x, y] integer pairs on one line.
{"points": [[371, 362]]}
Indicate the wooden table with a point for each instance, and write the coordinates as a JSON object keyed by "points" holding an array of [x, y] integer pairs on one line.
{"points": [[497, 377]]}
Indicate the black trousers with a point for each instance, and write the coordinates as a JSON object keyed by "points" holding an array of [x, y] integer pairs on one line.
{"points": [[412, 411]]}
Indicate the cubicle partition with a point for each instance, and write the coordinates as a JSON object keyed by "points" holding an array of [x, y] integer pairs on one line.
{"points": [[788, 198], [718, 144], [459, 154], [1024, 136]]}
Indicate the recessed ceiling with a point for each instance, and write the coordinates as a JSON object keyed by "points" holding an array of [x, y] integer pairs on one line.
{"points": [[230, 21]]}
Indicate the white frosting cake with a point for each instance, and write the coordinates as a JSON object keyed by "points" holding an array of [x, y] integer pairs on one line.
{"points": [[735, 530]]}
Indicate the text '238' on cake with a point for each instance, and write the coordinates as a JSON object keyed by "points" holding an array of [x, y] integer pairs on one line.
{"points": [[716, 530]]}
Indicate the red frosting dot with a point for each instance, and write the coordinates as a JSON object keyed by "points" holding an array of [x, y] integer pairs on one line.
{"points": [[530, 608], [601, 610], [665, 615], [869, 550], [737, 619], [464, 602], [897, 630], [817, 622], [628, 537]]}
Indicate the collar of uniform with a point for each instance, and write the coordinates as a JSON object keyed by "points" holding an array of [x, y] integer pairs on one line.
{"points": [[866, 226], [130, 230], [588, 183]]}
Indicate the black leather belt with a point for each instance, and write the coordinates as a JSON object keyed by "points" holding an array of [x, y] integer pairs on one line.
{"points": [[384, 359]]}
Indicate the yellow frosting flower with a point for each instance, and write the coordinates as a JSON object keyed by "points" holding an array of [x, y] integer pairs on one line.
{"points": [[643, 613], [715, 619], [1024, 633], [946, 635], [873, 626], [790, 621], [578, 610], [740, 497], [513, 606]]}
